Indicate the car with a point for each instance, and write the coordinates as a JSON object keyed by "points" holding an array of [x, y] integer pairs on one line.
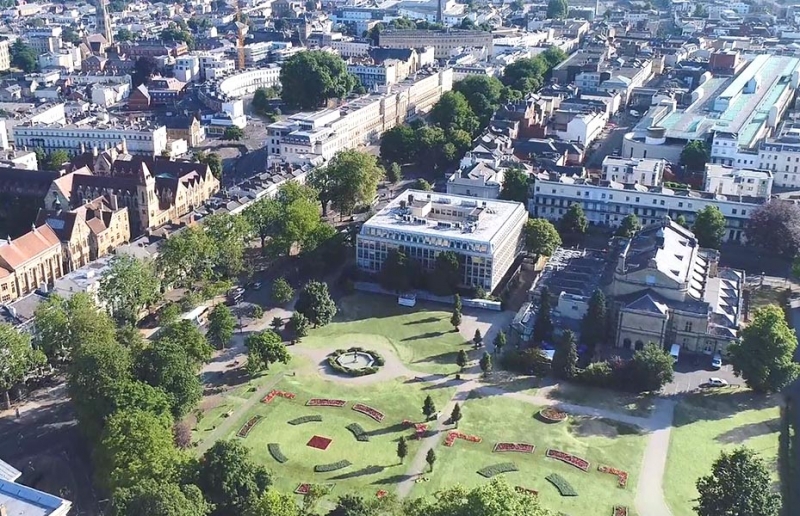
{"points": [[717, 382], [257, 285], [716, 362]]}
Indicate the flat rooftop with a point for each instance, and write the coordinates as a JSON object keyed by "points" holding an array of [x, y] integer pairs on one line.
{"points": [[445, 215], [21, 500]]}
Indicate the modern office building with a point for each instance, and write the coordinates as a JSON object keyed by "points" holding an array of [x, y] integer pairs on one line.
{"points": [[486, 234]]}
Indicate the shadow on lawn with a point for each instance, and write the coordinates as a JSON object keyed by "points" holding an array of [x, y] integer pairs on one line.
{"points": [[448, 358], [397, 427], [742, 433], [426, 335], [426, 320], [394, 479], [719, 404], [369, 470], [452, 382]]}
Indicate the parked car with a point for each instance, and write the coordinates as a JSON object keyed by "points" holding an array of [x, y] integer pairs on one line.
{"points": [[257, 285], [716, 361], [717, 382]]}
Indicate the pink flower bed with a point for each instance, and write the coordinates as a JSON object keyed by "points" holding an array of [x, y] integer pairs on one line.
{"points": [[369, 411], [452, 436], [381, 493], [570, 459], [325, 402], [622, 476], [303, 489], [526, 491], [620, 510], [514, 447], [273, 394]]}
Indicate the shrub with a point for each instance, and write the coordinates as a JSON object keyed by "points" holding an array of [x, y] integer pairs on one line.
{"points": [[598, 374], [359, 433], [275, 451], [336, 366], [496, 469], [325, 468], [306, 419], [560, 483]]}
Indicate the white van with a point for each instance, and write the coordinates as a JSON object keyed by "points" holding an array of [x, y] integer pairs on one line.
{"points": [[675, 352]]}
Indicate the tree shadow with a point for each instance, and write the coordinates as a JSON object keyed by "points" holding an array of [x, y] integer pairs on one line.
{"points": [[369, 470], [742, 433], [217, 382], [442, 358], [426, 320], [452, 382], [426, 335], [397, 427], [718, 404], [394, 479]]}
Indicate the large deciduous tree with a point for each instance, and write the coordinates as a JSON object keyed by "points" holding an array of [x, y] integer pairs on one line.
{"points": [[221, 325], [230, 234], [156, 498], [574, 221], [495, 498], [541, 237], [557, 9], [526, 74], [166, 365], [629, 226], [763, 356], [399, 144], [775, 226], [23, 56], [187, 256], [190, 338], [483, 93], [397, 272], [515, 185], [694, 156], [739, 485], [17, 359], [651, 368], [709, 227], [230, 479], [129, 286], [447, 273], [275, 503], [452, 112], [213, 160], [350, 178], [263, 349], [316, 304], [310, 79]]}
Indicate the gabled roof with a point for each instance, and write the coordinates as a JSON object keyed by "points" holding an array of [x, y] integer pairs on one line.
{"points": [[31, 244], [647, 303]]}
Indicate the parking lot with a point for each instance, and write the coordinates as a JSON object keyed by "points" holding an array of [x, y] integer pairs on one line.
{"points": [[691, 374]]}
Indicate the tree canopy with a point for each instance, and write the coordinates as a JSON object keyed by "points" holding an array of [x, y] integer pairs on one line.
{"points": [[316, 304], [128, 286], [221, 325], [17, 358], [775, 226], [541, 237], [263, 349], [495, 498], [515, 185], [557, 9], [350, 178], [23, 56], [629, 226], [739, 485], [694, 156], [709, 227], [166, 365], [651, 368], [574, 221], [453, 112], [398, 144], [156, 498], [594, 325], [230, 478], [565, 358], [310, 79]]}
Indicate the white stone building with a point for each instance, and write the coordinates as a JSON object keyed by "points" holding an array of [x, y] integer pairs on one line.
{"points": [[644, 171], [143, 139]]}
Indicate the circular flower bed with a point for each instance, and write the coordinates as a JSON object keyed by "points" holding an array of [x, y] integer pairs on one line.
{"points": [[355, 361], [552, 415]]}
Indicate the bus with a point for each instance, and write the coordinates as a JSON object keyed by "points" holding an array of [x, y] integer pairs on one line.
{"points": [[198, 316]]}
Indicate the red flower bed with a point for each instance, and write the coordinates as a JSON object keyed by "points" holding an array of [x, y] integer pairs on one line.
{"points": [[303, 489], [622, 476], [248, 426], [273, 394], [526, 491], [514, 447], [381, 493], [553, 415], [452, 436], [369, 411], [325, 402], [620, 510], [569, 459]]}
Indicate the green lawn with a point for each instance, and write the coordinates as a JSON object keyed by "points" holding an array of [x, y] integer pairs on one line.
{"points": [[374, 464], [616, 401], [495, 419], [708, 423], [422, 337]]}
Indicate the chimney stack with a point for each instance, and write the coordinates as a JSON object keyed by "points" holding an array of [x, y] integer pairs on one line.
{"points": [[3, 511]]}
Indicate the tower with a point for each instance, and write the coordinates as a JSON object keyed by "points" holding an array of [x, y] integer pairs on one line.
{"points": [[104, 21], [440, 12]]}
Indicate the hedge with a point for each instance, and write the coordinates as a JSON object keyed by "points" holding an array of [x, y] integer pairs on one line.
{"points": [[325, 468], [378, 361], [306, 419], [275, 451], [560, 483], [359, 433], [496, 469]]}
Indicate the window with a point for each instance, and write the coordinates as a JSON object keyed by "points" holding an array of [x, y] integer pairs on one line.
{"points": [[733, 211], [687, 326]]}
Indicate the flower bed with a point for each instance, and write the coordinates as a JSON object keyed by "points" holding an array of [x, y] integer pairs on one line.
{"points": [[325, 402], [570, 459], [514, 447], [359, 433], [275, 451], [326, 468], [315, 418], [369, 411], [560, 483], [526, 491], [497, 469], [622, 476], [381, 493], [620, 510], [305, 488], [552, 415], [253, 421], [452, 436], [273, 394]]}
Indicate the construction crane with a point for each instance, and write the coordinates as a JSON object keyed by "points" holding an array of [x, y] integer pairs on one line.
{"points": [[241, 30]]}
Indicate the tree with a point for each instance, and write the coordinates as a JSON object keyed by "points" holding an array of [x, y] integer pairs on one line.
{"points": [[190, 338], [574, 221], [462, 359], [394, 173], [275, 503], [700, 11], [233, 133], [168, 314], [496, 498], [447, 273], [594, 325], [499, 341], [455, 319], [166, 365], [543, 324], [187, 256], [282, 291], [422, 184], [17, 359], [402, 449], [397, 271], [557, 9], [263, 349], [483, 95], [128, 286], [650, 368], [763, 356], [124, 34], [257, 312], [213, 160], [261, 101], [23, 56], [155, 498], [709, 227], [182, 435], [136, 445], [486, 363], [694, 156], [230, 235], [739, 485], [526, 74], [629, 226], [316, 304], [452, 111], [681, 221], [350, 178], [398, 144], [276, 324], [775, 226], [430, 458], [515, 185], [477, 339], [56, 159], [541, 237], [299, 325], [310, 79], [143, 69], [230, 479], [428, 407], [565, 358], [457, 301], [455, 416], [221, 325], [354, 505]]}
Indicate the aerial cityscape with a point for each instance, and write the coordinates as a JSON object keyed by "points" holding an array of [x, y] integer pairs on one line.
{"points": [[400, 258]]}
